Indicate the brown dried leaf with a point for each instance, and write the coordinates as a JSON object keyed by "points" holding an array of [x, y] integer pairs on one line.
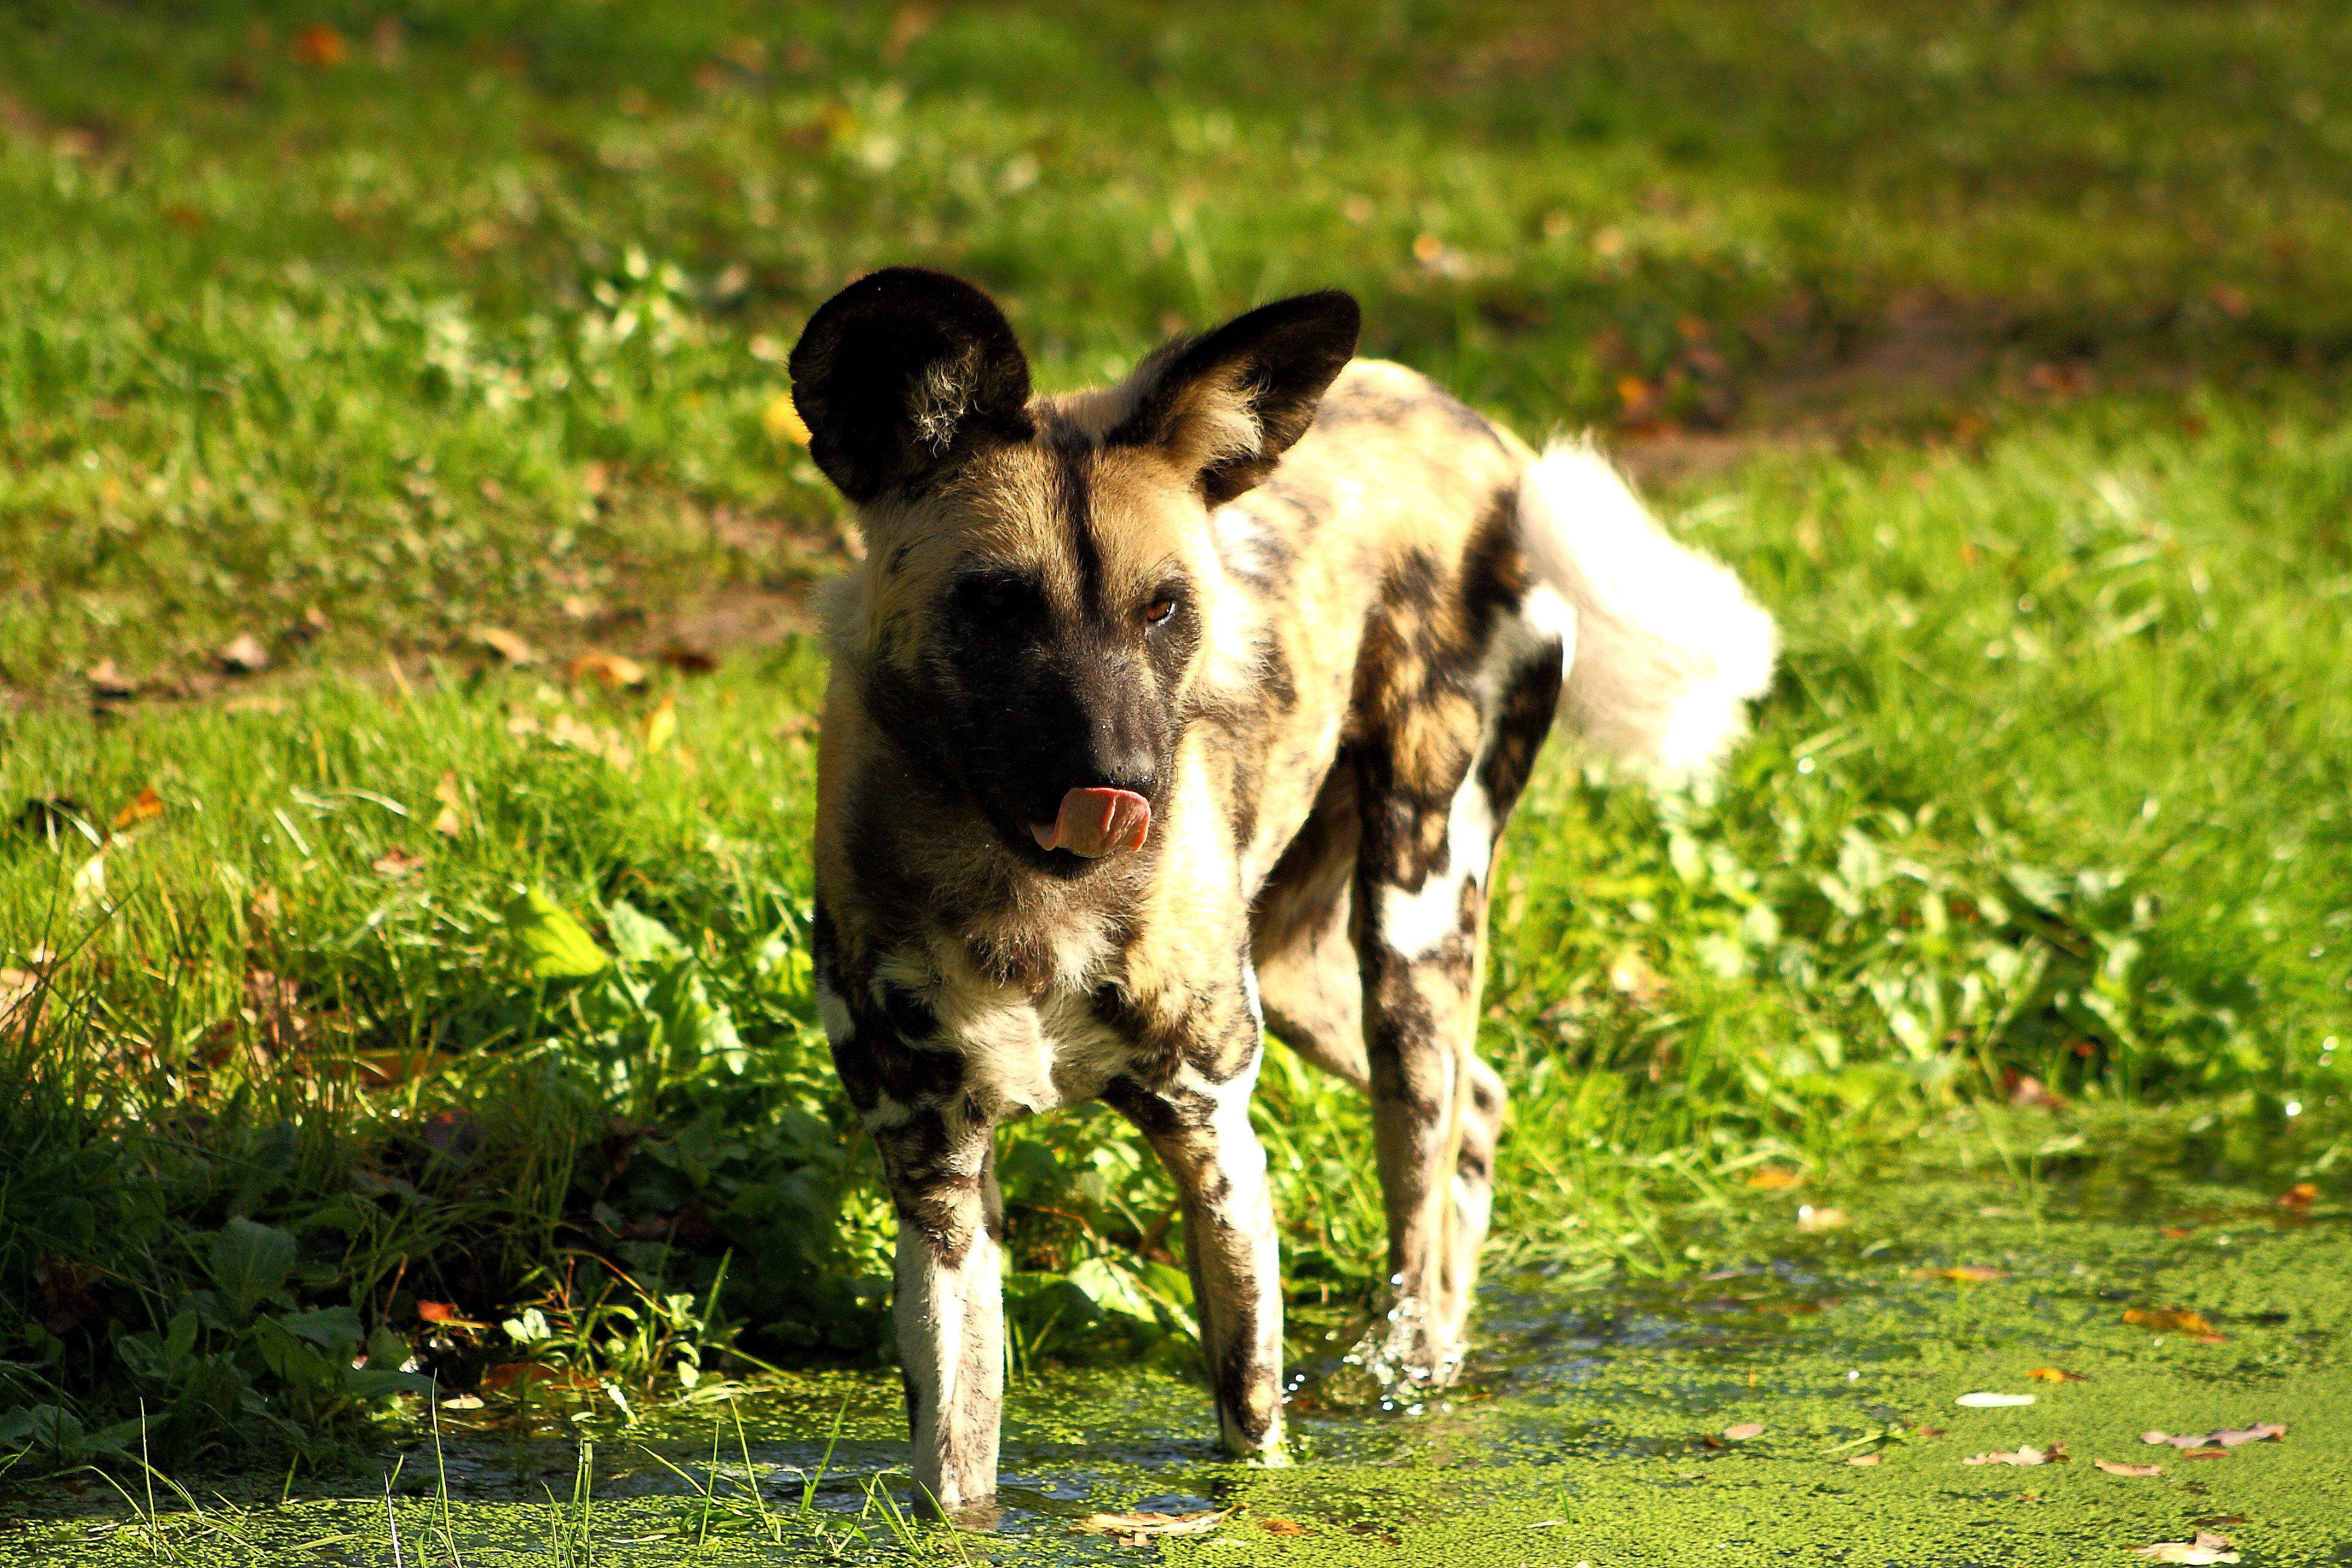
{"points": [[1744, 1430], [452, 796], [2030, 1093], [2026, 1455], [506, 645], [243, 656], [1137, 1527], [396, 863], [2206, 1548], [2137, 1472], [16, 986], [1631, 976], [2261, 1432], [107, 682], [320, 47], [148, 806], [1863, 1460], [609, 670], [2169, 1320]]}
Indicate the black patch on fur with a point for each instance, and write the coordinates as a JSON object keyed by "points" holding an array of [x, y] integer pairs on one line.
{"points": [[1074, 495], [1519, 733]]}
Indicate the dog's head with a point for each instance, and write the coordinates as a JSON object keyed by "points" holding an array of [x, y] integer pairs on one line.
{"points": [[1040, 592]]}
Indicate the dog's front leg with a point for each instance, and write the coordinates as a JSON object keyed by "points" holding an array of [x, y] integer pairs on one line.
{"points": [[948, 1305], [1201, 1129]]}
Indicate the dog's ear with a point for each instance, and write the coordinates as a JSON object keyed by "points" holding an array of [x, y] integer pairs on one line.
{"points": [[1229, 405], [903, 373]]}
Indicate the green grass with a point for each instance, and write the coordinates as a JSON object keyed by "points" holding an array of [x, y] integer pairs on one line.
{"points": [[477, 326]]}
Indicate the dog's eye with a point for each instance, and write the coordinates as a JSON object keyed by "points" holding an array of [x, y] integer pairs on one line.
{"points": [[1160, 609]]}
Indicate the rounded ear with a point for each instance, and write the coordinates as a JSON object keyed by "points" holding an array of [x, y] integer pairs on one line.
{"points": [[1229, 405], [904, 373]]}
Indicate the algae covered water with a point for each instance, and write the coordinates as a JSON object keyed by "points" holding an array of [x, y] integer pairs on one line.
{"points": [[1817, 1393]]}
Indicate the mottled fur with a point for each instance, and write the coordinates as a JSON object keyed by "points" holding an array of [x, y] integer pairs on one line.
{"points": [[1320, 615]]}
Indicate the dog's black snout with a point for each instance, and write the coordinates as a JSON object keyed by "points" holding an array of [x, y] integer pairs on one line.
{"points": [[1109, 761]]}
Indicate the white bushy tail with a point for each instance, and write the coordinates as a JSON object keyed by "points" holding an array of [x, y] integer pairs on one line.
{"points": [[1668, 646]]}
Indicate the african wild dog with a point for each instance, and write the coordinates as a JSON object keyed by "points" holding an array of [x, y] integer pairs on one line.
{"points": [[1164, 713]]}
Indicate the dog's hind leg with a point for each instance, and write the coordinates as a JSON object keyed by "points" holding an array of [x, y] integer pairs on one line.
{"points": [[1303, 937], [1201, 1130], [1438, 777]]}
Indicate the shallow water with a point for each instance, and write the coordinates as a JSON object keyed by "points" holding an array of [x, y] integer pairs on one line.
{"points": [[1588, 1427]]}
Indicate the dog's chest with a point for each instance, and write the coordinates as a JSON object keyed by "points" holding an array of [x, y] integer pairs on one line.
{"points": [[1033, 1053]]}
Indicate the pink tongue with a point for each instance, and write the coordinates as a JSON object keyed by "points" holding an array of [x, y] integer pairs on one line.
{"points": [[1097, 821]]}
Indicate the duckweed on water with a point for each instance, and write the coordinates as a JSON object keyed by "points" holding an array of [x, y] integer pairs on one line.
{"points": [[1591, 1429]]}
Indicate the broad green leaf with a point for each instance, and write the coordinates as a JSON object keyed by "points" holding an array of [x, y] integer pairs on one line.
{"points": [[249, 1262], [335, 1329], [553, 945], [637, 936]]}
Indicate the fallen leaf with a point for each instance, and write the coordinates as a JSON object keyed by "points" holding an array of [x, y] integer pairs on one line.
{"points": [[660, 726], [1863, 1460], [2261, 1432], [320, 47], [2206, 1548], [687, 660], [2175, 1232], [452, 820], [1282, 1527], [1744, 1430], [107, 682], [439, 1313], [2301, 1195], [507, 1375], [1137, 1527], [2205, 1452], [396, 863], [2029, 1093], [243, 656], [462, 1402], [2167, 1321], [1992, 1401], [506, 645], [1811, 1220], [16, 986], [399, 1064], [2137, 1472], [609, 670], [1631, 977], [784, 421], [2026, 1455], [2056, 1374], [148, 806], [1775, 1179], [273, 1005]]}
